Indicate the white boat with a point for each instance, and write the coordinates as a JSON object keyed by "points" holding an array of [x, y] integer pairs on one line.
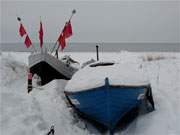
{"points": [[49, 67]]}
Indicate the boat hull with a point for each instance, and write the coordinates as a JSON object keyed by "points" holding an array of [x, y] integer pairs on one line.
{"points": [[46, 72], [107, 104]]}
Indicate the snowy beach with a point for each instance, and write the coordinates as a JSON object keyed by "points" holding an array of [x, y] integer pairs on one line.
{"points": [[34, 113]]}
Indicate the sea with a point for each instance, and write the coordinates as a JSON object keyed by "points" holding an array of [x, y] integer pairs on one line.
{"points": [[91, 47]]}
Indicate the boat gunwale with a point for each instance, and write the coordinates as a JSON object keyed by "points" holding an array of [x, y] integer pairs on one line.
{"points": [[112, 86]]}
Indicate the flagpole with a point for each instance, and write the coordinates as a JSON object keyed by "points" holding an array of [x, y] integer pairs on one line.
{"points": [[73, 12], [34, 48], [19, 19], [54, 47]]}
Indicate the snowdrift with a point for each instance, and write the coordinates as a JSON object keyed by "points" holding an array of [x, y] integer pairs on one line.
{"points": [[34, 113]]}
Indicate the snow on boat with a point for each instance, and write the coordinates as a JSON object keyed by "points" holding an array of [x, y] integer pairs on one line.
{"points": [[48, 67], [106, 91]]}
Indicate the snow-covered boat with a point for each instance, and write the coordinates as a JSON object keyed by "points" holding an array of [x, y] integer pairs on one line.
{"points": [[106, 91], [48, 67]]}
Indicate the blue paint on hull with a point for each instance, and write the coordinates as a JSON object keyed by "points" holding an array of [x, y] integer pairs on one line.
{"points": [[106, 104]]}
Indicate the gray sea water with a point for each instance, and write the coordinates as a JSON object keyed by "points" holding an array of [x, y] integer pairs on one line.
{"points": [[103, 47]]}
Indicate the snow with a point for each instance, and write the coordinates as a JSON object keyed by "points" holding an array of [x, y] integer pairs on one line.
{"points": [[125, 74], [34, 113]]}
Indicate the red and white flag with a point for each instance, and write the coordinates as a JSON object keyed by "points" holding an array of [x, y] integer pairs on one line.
{"points": [[62, 41], [22, 30], [68, 30], [66, 33], [27, 41], [41, 34]]}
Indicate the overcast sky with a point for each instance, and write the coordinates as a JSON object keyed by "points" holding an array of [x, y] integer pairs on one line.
{"points": [[118, 21]]}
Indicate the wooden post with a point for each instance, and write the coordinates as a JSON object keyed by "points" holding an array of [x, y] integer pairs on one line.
{"points": [[57, 54], [97, 52]]}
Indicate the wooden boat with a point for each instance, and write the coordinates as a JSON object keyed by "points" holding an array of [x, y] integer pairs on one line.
{"points": [[48, 67], [105, 95]]}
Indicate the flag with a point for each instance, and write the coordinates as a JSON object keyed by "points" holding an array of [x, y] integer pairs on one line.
{"points": [[62, 41], [41, 34], [29, 76], [67, 30], [27, 42], [66, 33], [22, 30]]}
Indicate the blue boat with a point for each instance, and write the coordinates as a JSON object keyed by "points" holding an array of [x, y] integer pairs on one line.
{"points": [[108, 103]]}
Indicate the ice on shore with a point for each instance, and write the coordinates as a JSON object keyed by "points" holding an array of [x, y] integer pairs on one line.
{"points": [[34, 113]]}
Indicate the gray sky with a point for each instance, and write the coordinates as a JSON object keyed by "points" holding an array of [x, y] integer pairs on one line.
{"points": [[97, 21]]}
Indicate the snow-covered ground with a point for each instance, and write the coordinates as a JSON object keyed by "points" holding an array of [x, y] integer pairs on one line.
{"points": [[34, 113]]}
